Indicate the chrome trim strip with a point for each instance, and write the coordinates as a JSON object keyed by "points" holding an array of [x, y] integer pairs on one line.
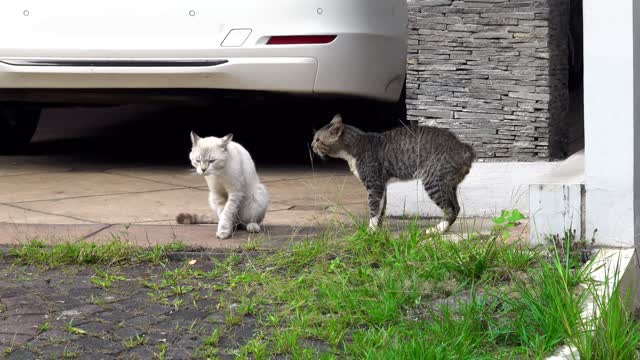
{"points": [[116, 63]]}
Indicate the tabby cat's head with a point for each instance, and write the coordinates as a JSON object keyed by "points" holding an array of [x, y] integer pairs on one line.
{"points": [[328, 140], [209, 155]]}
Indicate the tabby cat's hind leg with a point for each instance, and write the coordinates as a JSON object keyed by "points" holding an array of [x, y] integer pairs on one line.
{"points": [[446, 197]]}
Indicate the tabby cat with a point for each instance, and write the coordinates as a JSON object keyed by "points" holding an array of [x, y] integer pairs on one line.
{"points": [[435, 156]]}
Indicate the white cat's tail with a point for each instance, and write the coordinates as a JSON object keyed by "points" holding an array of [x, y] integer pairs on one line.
{"points": [[185, 219]]}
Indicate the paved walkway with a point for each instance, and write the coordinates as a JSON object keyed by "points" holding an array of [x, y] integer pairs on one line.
{"points": [[60, 314], [58, 199]]}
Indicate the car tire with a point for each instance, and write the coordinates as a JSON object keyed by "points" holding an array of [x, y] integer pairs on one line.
{"points": [[17, 126]]}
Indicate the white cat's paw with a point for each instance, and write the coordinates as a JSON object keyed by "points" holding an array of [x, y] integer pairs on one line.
{"points": [[223, 234], [253, 228], [438, 229]]}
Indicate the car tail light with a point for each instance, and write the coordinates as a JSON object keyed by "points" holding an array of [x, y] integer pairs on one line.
{"points": [[301, 39]]}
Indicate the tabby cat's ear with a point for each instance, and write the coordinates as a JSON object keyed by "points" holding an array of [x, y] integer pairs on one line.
{"points": [[194, 138], [227, 139], [336, 126]]}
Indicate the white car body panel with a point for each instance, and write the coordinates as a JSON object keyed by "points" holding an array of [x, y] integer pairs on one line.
{"points": [[367, 58]]}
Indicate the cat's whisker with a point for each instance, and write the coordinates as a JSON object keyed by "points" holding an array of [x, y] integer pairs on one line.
{"points": [[311, 158], [408, 127]]}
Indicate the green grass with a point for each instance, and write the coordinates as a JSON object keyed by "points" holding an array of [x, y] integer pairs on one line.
{"points": [[67, 354], [135, 341], [381, 296], [613, 333], [104, 279], [349, 293], [37, 252], [209, 348], [161, 353], [547, 306], [44, 327], [213, 339], [74, 330]]}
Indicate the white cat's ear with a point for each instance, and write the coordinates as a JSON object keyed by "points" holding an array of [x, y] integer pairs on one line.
{"points": [[227, 139], [337, 120], [194, 138]]}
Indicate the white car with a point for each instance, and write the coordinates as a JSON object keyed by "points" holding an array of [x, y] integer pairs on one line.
{"points": [[59, 51]]}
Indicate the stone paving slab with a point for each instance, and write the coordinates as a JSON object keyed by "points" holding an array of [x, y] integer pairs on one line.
{"points": [[21, 313], [23, 165], [326, 190], [274, 236], [127, 208], [108, 320], [52, 186], [18, 215], [168, 175], [17, 233]]}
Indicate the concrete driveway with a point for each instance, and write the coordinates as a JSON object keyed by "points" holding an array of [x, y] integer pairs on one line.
{"points": [[42, 197]]}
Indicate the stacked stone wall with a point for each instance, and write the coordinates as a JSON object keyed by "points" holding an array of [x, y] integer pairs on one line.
{"points": [[493, 71]]}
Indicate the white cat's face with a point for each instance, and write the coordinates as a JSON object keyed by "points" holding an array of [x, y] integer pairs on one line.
{"points": [[209, 155]]}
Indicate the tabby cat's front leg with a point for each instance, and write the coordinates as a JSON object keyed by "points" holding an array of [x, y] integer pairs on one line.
{"points": [[377, 196], [228, 215]]}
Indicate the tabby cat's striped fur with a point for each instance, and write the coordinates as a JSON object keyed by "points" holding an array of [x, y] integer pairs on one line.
{"points": [[435, 156]]}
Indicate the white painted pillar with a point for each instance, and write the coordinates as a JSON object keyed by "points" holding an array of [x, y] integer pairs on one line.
{"points": [[611, 109]]}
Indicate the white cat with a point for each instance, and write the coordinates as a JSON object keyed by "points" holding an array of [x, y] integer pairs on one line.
{"points": [[236, 195]]}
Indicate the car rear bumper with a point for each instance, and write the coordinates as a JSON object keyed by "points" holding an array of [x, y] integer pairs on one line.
{"points": [[360, 65], [275, 74]]}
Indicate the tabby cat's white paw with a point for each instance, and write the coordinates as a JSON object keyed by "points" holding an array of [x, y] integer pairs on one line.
{"points": [[373, 223], [253, 228], [438, 229]]}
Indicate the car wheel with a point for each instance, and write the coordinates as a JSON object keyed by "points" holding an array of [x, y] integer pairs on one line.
{"points": [[17, 126]]}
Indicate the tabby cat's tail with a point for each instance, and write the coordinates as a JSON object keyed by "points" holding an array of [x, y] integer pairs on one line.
{"points": [[469, 157], [470, 154], [184, 218]]}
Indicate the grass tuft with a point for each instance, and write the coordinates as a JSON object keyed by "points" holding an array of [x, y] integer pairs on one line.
{"points": [[115, 252], [613, 332], [409, 295]]}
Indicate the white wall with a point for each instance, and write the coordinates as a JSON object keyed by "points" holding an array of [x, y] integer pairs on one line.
{"points": [[609, 121], [489, 188], [636, 130], [612, 108]]}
